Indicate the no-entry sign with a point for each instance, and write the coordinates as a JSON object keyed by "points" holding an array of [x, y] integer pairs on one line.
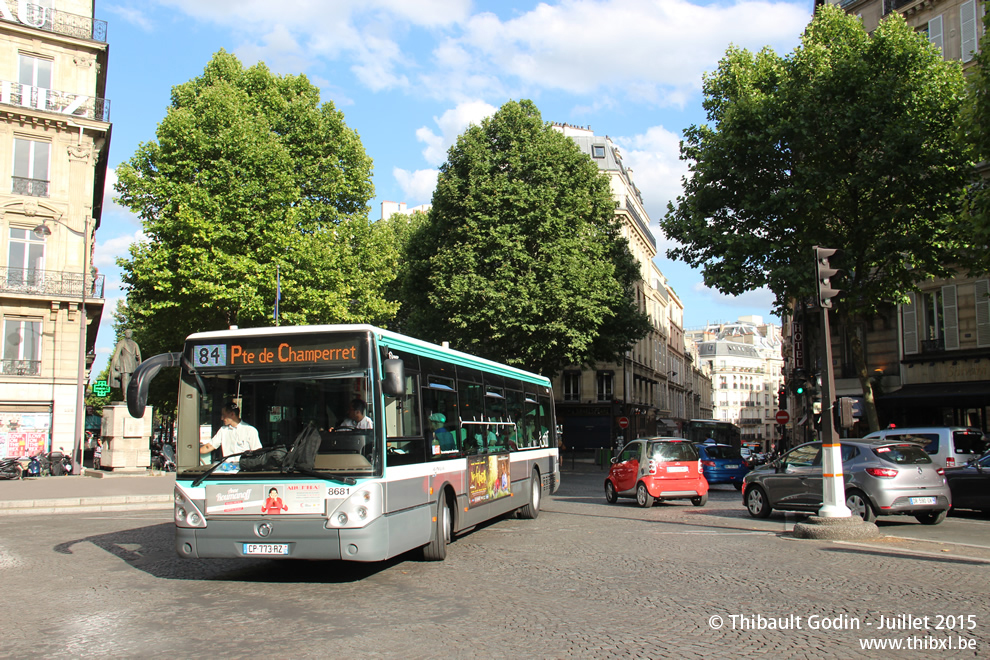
{"points": [[783, 417], [623, 422]]}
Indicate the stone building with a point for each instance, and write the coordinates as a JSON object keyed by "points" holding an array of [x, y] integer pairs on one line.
{"points": [[55, 128], [654, 388]]}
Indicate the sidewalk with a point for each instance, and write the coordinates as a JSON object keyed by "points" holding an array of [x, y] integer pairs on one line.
{"points": [[84, 494]]}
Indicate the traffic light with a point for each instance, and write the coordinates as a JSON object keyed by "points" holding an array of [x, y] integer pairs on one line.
{"points": [[823, 272], [846, 414]]}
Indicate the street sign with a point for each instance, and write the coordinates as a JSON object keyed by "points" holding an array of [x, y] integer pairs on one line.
{"points": [[783, 417], [623, 422]]}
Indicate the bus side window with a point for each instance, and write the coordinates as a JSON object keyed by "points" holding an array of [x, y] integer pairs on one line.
{"points": [[403, 429], [440, 412]]}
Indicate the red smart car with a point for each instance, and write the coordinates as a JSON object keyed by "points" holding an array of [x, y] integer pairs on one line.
{"points": [[651, 469]]}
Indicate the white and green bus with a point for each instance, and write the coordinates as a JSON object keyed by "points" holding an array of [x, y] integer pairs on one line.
{"points": [[372, 443]]}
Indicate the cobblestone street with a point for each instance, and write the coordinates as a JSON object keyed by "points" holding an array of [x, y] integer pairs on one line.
{"points": [[586, 580]]}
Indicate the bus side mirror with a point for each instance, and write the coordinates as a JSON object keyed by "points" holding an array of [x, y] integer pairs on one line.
{"points": [[394, 383], [137, 389]]}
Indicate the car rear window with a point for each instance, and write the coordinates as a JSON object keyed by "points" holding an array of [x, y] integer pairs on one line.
{"points": [[969, 442], [673, 451], [903, 454], [719, 451]]}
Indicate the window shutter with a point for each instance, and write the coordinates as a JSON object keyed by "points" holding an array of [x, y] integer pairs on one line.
{"points": [[967, 19], [982, 313], [950, 317], [910, 323], [935, 33]]}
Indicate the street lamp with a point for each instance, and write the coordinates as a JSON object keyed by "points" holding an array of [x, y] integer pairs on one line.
{"points": [[43, 231]]}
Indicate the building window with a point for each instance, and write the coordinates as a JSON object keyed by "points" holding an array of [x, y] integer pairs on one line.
{"points": [[34, 72], [21, 347], [25, 259], [597, 151], [935, 34], [572, 386], [605, 386], [968, 24], [31, 160]]}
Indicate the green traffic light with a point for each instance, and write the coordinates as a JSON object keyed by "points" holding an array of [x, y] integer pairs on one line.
{"points": [[800, 389]]}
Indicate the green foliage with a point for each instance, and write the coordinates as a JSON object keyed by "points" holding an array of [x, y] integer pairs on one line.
{"points": [[846, 143], [976, 131], [251, 175], [521, 259]]}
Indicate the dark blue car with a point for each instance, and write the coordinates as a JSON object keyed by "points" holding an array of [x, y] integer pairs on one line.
{"points": [[722, 464]]}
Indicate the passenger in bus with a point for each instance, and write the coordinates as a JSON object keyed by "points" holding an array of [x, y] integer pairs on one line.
{"points": [[443, 440], [356, 417], [234, 437]]}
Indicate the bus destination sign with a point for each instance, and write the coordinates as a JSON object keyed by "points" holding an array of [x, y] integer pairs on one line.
{"points": [[277, 352]]}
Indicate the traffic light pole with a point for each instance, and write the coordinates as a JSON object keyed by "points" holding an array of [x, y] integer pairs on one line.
{"points": [[834, 505]]}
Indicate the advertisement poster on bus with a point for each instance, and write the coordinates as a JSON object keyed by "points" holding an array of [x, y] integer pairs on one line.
{"points": [[488, 479], [268, 499]]}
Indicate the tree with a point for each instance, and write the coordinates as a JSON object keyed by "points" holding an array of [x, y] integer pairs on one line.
{"points": [[976, 130], [521, 258], [253, 186], [846, 143]]}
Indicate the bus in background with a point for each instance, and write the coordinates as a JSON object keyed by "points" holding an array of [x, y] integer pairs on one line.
{"points": [[372, 443], [724, 433]]}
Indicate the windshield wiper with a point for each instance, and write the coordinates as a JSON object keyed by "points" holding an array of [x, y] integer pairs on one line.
{"points": [[213, 467], [350, 481]]}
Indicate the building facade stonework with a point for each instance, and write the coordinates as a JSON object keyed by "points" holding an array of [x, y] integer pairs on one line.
{"points": [[55, 130]]}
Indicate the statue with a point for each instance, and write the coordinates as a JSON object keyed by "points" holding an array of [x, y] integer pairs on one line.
{"points": [[126, 358]]}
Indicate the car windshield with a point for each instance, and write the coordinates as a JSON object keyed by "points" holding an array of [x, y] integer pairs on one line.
{"points": [[903, 454], [722, 451], [673, 451]]}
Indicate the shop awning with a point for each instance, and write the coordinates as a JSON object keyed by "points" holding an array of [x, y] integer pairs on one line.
{"points": [[971, 394]]}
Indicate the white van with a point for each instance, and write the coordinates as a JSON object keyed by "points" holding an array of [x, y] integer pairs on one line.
{"points": [[949, 446]]}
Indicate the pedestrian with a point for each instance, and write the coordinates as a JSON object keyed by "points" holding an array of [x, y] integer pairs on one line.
{"points": [[97, 454]]}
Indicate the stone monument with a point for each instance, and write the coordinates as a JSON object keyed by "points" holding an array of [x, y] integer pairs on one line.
{"points": [[127, 439]]}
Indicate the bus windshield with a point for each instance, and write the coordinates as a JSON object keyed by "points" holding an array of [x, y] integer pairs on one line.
{"points": [[274, 409]]}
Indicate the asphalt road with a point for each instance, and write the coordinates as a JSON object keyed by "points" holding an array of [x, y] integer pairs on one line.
{"points": [[584, 580]]}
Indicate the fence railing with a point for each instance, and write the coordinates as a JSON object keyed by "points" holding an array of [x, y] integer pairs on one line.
{"points": [[53, 20], [53, 100], [20, 367], [50, 283]]}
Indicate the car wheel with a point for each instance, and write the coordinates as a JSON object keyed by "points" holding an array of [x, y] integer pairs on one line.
{"points": [[931, 517], [859, 505], [757, 502], [610, 495], [737, 484], [700, 501], [643, 497]]}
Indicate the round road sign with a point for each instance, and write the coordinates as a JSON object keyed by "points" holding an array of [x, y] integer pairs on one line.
{"points": [[783, 417], [623, 422]]}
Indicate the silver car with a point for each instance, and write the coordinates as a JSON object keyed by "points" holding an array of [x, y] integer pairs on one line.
{"points": [[881, 478]]}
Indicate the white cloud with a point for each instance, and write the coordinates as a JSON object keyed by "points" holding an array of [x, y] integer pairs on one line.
{"points": [[417, 187], [451, 123], [759, 299], [654, 157], [106, 252], [130, 15]]}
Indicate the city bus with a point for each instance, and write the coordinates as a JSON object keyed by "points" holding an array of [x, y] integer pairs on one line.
{"points": [[724, 433], [447, 441]]}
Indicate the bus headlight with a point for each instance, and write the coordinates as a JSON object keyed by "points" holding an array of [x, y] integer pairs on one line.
{"points": [[365, 504], [186, 513]]}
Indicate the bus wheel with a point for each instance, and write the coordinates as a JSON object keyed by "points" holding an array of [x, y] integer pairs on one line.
{"points": [[436, 550], [532, 509]]}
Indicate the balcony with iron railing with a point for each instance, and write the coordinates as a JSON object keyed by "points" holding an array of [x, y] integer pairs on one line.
{"points": [[49, 283], [54, 20], [54, 101], [20, 367], [20, 185]]}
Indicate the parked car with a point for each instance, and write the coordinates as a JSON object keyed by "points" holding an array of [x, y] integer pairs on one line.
{"points": [[652, 469], [949, 446], [722, 464], [881, 478], [970, 485]]}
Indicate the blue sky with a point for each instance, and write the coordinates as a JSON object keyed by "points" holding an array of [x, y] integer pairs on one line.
{"points": [[410, 75]]}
